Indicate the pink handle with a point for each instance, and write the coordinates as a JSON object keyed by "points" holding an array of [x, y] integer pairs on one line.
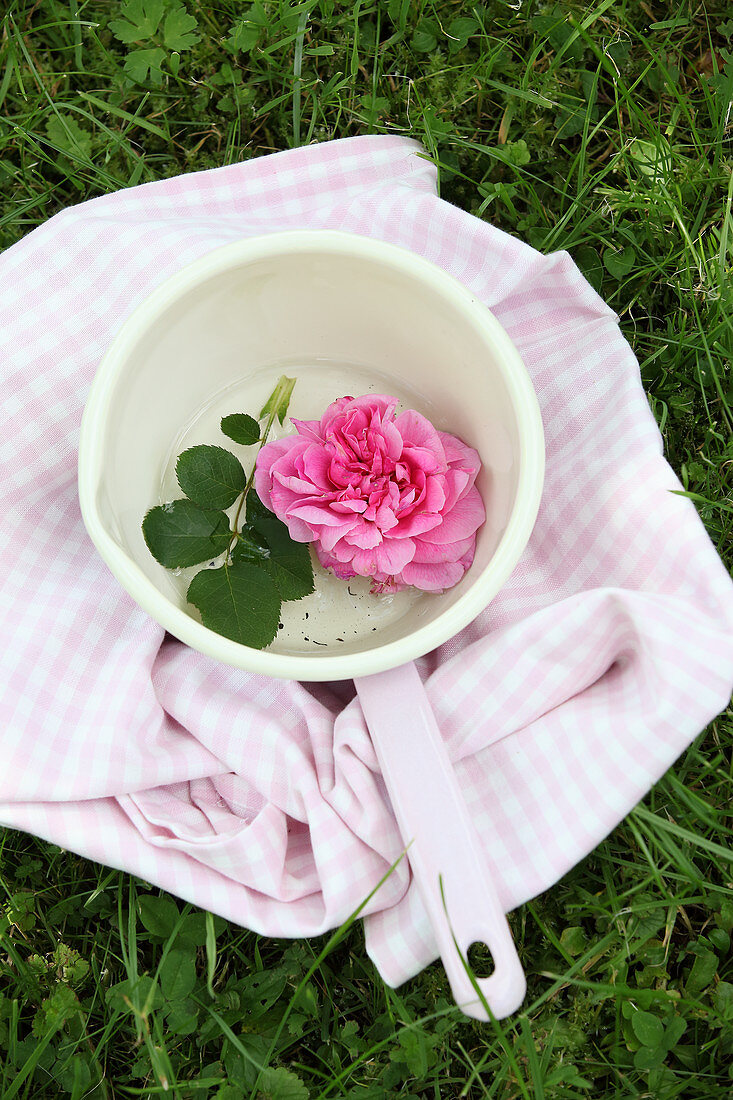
{"points": [[432, 814]]}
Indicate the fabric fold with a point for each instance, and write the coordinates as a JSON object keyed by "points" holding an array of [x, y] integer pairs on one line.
{"points": [[606, 653]]}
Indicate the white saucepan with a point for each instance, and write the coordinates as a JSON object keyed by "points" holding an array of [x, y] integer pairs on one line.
{"points": [[342, 314]]}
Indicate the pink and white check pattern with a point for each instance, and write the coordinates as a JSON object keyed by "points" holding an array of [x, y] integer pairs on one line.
{"points": [[606, 653]]}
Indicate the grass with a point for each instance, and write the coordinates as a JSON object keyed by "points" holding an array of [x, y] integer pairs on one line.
{"points": [[600, 129]]}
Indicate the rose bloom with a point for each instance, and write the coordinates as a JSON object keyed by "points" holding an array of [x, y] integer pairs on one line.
{"points": [[380, 495]]}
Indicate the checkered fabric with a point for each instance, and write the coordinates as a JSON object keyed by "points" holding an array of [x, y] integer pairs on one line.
{"points": [[603, 657]]}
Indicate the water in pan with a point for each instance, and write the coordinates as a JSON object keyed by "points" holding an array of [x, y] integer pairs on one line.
{"points": [[341, 615]]}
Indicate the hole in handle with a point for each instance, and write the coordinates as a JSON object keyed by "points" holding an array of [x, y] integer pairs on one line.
{"points": [[480, 959]]}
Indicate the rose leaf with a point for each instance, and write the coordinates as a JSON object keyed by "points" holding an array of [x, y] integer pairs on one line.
{"points": [[210, 476], [180, 534], [289, 563], [239, 601], [242, 428]]}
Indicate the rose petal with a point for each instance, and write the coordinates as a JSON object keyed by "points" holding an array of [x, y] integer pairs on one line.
{"points": [[394, 554], [456, 484], [462, 520], [316, 467], [311, 429], [379, 495], [268, 455], [364, 535], [349, 505], [328, 561], [432, 578], [330, 538], [432, 553], [299, 531], [364, 562], [414, 524], [458, 453], [319, 515], [420, 435]]}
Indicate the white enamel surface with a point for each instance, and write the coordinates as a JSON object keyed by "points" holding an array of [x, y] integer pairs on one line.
{"points": [[345, 315]]}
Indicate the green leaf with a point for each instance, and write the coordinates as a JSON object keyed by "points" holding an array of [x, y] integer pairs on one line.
{"points": [[255, 509], [55, 1010], [239, 601], [73, 1075], [260, 991], [279, 400], [127, 996], [647, 1058], [556, 28], [69, 964], [724, 1001], [574, 940], [177, 975], [251, 547], [266, 542], [246, 32], [182, 1017], [281, 1084], [210, 476], [242, 428], [570, 120], [180, 30], [674, 1032], [20, 910], [724, 918], [653, 159], [719, 939], [514, 152], [289, 563], [140, 19], [241, 1068], [460, 30], [66, 134], [193, 929], [228, 1092], [619, 262], [158, 914], [424, 41], [180, 534], [415, 1049], [703, 971], [141, 62], [648, 1029]]}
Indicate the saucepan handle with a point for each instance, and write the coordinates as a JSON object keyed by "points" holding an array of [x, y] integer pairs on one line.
{"points": [[443, 845]]}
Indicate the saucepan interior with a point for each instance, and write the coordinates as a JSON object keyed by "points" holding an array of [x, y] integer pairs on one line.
{"points": [[343, 315]]}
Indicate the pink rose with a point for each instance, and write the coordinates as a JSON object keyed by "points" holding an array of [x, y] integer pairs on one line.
{"points": [[380, 495]]}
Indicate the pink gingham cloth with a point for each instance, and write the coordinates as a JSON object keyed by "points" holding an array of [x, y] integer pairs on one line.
{"points": [[604, 656]]}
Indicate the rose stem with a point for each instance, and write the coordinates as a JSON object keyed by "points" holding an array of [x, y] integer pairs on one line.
{"points": [[263, 439]]}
